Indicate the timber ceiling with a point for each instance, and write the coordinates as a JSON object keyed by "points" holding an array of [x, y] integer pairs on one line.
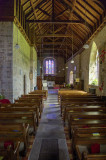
{"points": [[62, 27]]}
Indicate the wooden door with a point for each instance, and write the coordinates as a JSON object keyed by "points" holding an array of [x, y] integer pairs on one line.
{"points": [[39, 82]]}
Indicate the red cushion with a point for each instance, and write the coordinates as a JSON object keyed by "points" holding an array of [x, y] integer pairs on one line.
{"points": [[4, 101], [85, 126], [95, 148], [7, 143]]}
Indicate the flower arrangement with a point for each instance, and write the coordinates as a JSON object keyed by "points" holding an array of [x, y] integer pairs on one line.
{"points": [[102, 56]]}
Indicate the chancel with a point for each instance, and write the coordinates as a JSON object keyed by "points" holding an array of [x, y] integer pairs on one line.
{"points": [[52, 79]]}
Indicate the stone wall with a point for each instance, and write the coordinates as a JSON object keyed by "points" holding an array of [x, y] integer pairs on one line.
{"points": [[6, 51], [18, 67], [21, 64], [59, 78], [60, 64], [84, 58], [60, 67], [75, 67], [24, 65]]}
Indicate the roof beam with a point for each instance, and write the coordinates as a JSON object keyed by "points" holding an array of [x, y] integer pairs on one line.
{"points": [[43, 11], [54, 35], [56, 21], [53, 48], [29, 13], [35, 14], [56, 43], [37, 7], [61, 13], [59, 29], [53, 14], [71, 15], [23, 2]]}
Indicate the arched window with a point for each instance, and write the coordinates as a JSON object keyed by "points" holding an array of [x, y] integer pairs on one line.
{"points": [[49, 66], [94, 66]]}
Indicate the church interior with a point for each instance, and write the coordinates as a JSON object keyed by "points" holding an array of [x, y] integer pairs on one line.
{"points": [[52, 79]]}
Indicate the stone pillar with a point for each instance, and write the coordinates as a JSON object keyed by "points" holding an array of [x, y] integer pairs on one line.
{"points": [[6, 55]]}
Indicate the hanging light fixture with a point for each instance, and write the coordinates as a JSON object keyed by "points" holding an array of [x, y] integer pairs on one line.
{"points": [[72, 61], [66, 52], [85, 46], [53, 40], [17, 45], [40, 55]]}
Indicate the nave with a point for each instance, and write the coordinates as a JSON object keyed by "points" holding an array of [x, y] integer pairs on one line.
{"points": [[50, 141], [45, 46], [61, 124]]}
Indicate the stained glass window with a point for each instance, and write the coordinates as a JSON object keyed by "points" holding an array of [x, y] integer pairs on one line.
{"points": [[49, 66]]}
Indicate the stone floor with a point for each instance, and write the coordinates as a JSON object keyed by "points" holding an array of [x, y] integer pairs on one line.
{"points": [[50, 141]]}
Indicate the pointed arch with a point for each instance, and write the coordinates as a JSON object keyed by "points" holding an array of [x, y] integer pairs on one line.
{"points": [[49, 66], [94, 66]]}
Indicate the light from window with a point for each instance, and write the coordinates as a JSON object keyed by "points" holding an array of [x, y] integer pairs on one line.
{"points": [[94, 66], [49, 66]]}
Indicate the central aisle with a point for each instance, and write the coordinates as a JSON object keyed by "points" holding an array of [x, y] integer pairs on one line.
{"points": [[50, 141]]}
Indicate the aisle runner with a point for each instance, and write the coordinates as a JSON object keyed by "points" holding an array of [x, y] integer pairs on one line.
{"points": [[50, 130]]}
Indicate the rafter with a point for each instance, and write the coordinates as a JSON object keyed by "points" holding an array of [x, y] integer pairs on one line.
{"points": [[61, 13], [56, 21], [71, 15], [39, 4], [54, 35], [44, 11], [59, 29], [56, 44], [35, 14], [23, 2]]}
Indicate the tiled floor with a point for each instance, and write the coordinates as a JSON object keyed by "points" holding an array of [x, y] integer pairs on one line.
{"points": [[68, 141], [50, 128]]}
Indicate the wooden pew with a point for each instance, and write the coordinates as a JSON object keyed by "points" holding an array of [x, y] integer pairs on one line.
{"points": [[14, 132], [10, 153], [25, 102], [86, 118], [83, 138], [19, 117], [15, 108], [80, 109], [82, 103], [67, 96], [43, 92], [32, 96]]}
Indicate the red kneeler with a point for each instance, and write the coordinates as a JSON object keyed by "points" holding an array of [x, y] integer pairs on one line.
{"points": [[95, 148]]}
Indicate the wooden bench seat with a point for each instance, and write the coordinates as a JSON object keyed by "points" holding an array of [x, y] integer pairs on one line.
{"points": [[76, 119], [79, 108], [25, 103], [85, 137], [84, 103], [43, 92], [87, 115], [13, 109], [33, 96], [19, 117], [10, 153], [83, 153], [14, 132]]}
